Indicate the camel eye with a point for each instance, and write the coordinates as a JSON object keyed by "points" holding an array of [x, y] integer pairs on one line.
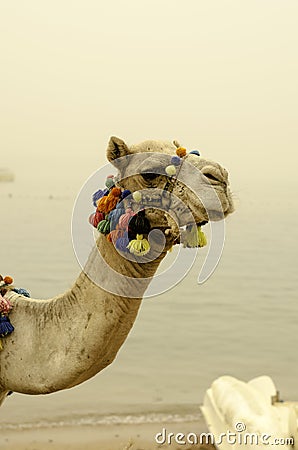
{"points": [[210, 177], [149, 176]]}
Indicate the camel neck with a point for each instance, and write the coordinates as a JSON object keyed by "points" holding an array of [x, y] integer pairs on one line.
{"points": [[120, 275], [106, 296], [79, 332]]}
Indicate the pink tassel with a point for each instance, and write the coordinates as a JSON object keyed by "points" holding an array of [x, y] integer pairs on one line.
{"points": [[5, 305], [125, 218], [95, 218]]}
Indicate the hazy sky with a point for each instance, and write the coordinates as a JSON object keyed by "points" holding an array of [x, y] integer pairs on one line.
{"points": [[217, 75]]}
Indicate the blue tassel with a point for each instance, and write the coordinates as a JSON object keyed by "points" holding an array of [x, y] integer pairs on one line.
{"points": [[125, 193], [96, 196], [99, 194], [122, 243], [115, 215], [22, 291], [5, 326]]}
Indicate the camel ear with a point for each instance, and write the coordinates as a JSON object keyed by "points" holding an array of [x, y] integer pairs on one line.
{"points": [[116, 149]]}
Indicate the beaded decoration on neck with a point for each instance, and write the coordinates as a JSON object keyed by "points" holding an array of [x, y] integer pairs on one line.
{"points": [[6, 327]]}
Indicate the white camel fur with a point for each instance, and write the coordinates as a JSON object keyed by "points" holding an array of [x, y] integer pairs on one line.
{"points": [[61, 342]]}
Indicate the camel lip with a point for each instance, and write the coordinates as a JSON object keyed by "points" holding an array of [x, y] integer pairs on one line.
{"points": [[164, 228], [198, 224]]}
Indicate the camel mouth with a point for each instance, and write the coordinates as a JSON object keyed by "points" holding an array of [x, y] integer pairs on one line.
{"points": [[164, 229], [167, 227]]}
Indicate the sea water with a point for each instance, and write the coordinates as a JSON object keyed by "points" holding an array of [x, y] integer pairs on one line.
{"points": [[241, 322]]}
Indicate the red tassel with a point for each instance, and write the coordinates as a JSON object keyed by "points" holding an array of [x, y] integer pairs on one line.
{"points": [[95, 218]]}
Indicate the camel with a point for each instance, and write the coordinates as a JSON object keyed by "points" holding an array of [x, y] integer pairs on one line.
{"points": [[61, 342]]}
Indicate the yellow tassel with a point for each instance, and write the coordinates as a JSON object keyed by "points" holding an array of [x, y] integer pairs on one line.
{"points": [[202, 240], [1, 346], [190, 237], [194, 237], [139, 246]]}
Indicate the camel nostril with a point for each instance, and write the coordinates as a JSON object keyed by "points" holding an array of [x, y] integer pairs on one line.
{"points": [[215, 174]]}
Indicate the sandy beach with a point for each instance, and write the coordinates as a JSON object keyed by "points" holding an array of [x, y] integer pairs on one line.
{"points": [[102, 437]]}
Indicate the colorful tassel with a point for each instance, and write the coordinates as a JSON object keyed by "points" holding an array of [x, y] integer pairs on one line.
{"points": [[139, 246], [122, 243], [114, 235], [110, 182], [202, 240], [194, 237], [181, 151], [96, 196], [95, 218], [4, 284], [115, 215], [109, 202], [91, 219], [125, 193], [5, 305], [190, 237], [138, 224], [6, 327], [125, 218], [22, 291], [104, 226]]}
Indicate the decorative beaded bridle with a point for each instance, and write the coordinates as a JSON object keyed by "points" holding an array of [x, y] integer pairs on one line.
{"points": [[126, 228]]}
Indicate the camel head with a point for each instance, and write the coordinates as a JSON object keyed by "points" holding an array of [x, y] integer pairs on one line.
{"points": [[175, 188]]}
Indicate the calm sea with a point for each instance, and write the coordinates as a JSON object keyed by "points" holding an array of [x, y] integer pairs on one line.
{"points": [[242, 321]]}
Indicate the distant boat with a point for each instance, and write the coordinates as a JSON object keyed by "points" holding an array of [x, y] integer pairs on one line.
{"points": [[6, 175]]}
